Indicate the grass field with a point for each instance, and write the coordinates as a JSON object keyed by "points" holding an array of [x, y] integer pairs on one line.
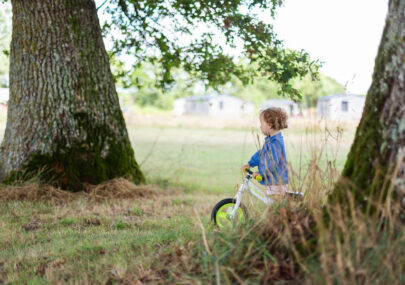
{"points": [[95, 239], [208, 159]]}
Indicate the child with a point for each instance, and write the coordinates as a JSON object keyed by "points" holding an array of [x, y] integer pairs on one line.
{"points": [[271, 159]]}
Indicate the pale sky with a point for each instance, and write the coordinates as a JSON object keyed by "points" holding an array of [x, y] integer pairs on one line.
{"points": [[344, 34]]}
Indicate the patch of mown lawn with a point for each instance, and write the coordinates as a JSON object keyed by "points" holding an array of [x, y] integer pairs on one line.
{"points": [[88, 241]]}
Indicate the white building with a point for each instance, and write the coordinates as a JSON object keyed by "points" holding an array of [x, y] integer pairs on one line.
{"points": [[213, 105], [289, 106], [341, 107], [179, 106]]}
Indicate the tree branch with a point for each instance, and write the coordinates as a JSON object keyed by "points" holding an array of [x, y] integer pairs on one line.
{"points": [[102, 4]]}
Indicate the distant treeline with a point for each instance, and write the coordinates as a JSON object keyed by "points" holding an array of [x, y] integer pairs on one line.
{"points": [[139, 86]]}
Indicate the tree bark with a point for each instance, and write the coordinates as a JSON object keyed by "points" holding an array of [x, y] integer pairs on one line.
{"points": [[64, 121], [375, 163]]}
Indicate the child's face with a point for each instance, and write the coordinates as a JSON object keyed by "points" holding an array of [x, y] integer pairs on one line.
{"points": [[265, 127]]}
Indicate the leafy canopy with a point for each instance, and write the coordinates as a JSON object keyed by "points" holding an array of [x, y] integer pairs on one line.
{"points": [[204, 38]]}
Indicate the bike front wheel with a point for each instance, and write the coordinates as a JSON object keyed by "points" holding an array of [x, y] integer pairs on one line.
{"points": [[220, 214]]}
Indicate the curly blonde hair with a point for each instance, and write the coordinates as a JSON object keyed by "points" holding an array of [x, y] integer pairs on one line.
{"points": [[276, 117]]}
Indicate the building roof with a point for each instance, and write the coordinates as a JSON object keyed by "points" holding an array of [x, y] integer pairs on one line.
{"points": [[333, 96]]}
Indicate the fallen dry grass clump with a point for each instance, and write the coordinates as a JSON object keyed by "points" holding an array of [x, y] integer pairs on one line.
{"points": [[114, 189], [119, 188], [35, 192]]}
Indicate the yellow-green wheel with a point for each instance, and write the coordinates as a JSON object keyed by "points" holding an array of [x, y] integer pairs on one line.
{"points": [[222, 210]]}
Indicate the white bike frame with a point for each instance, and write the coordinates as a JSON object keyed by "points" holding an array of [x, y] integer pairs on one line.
{"points": [[255, 191], [247, 185]]}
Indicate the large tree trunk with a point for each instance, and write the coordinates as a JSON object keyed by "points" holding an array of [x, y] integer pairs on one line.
{"points": [[375, 161], [64, 120]]}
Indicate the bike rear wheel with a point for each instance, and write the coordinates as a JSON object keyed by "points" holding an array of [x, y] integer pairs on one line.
{"points": [[220, 214]]}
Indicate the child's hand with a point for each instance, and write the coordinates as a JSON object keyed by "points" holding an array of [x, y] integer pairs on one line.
{"points": [[255, 174]]}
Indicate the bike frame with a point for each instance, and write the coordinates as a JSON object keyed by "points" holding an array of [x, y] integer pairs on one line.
{"points": [[255, 191]]}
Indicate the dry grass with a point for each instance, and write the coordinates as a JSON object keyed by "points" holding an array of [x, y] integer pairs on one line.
{"points": [[244, 122], [294, 245], [119, 188], [35, 192], [264, 251]]}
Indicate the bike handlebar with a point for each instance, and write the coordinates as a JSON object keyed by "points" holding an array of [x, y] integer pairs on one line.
{"points": [[258, 177]]}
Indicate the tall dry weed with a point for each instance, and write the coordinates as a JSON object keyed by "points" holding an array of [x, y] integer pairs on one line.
{"points": [[292, 243]]}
